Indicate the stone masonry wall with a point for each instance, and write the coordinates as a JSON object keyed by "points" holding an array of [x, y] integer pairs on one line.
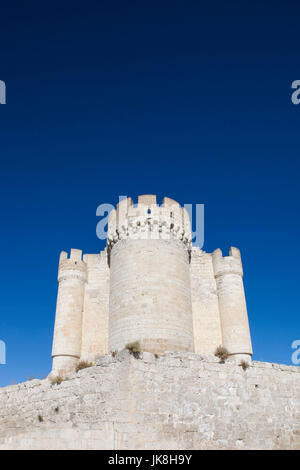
{"points": [[150, 296], [206, 315], [95, 308], [177, 401]]}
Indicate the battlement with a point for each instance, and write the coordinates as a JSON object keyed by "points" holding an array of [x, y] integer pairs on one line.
{"points": [[92, 259], [231, 264], [197, 252], [72, 267], [148, 220]]}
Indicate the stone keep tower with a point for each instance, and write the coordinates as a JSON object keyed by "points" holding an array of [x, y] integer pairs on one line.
{"points": [[149, 285], [150, 291]]}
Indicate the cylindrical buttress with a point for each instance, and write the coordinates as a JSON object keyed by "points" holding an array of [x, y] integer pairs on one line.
{"points": [[232, 304], [68, 320]]}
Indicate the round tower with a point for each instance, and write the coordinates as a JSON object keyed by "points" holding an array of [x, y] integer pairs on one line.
{"points": [[72, 274], [228, 272], [150, 294]]}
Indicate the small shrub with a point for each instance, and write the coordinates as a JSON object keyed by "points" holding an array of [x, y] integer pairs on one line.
{"points": [[156, 356], [244, 365], [40, 418], [222, 353], [56, 409], [57, 380], [83, 365], [114, 353], [134, 349]]}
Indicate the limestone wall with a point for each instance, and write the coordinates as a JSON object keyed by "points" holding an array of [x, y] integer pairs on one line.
{"points": [[95, 308], [150, 296], [206, 316], [178, 401]]}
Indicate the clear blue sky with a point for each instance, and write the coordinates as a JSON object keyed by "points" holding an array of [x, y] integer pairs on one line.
{"points": [[187, 99]]}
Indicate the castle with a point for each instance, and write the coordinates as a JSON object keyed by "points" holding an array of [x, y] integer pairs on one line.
{"points": [[149, 285]]}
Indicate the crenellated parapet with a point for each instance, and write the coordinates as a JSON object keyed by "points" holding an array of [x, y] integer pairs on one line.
{"points": [[72, 267], [147, 220], [231, 264]]}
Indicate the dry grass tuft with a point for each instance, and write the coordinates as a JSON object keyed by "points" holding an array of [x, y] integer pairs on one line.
{"points": [[83, 365], [222, 353], [57, 380], [134, 349], [244, 365]]}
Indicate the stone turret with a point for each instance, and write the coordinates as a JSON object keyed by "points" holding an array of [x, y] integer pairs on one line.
{"points": [[228, 272], [150, 294], [72, 275]]}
